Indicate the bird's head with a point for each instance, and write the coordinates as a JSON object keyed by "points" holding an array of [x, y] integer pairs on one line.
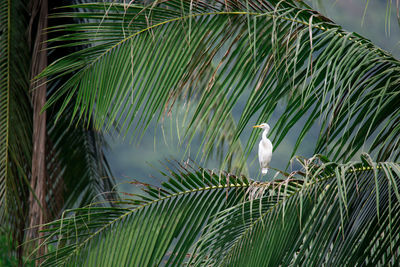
{"points": [[264, 126]]}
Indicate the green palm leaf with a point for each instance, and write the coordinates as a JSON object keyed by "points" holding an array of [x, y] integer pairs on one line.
{"points": [[74, 157], [15, 120], [262, 53], [77, 152], [342, 215], [77, 166], [327, 214], [158, 226]]}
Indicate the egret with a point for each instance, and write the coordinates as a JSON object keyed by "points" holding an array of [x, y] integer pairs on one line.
{"points": [[264, 149]]}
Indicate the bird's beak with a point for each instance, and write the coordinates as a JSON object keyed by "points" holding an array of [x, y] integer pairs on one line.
{"points": [[257, 126]]}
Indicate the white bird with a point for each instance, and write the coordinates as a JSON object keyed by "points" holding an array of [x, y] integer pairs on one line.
{"points": [[264, 149]]}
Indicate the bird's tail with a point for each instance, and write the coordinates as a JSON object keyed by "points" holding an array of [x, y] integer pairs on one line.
{"points": [[264, 170]]}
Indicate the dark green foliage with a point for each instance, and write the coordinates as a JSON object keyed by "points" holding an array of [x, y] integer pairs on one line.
{"points": [[76, 166], [261, 53], [161, 224], [329, 214], [134, 62]]}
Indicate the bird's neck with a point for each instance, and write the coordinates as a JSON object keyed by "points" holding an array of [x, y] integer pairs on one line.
{"points": [[264, 135]]}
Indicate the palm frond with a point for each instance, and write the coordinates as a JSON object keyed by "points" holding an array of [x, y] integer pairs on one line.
{"points": [[326, 214], [342, 215], [263, 53], [222, 134], [79, 153], [86, 146], [15, 120], [77, 167], [157, 226]]}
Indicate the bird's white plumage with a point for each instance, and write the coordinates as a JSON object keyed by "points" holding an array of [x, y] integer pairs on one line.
{"points": [[264, 149]]}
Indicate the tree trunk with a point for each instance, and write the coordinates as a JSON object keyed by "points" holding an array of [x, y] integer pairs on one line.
{"points": [[37, 201]]}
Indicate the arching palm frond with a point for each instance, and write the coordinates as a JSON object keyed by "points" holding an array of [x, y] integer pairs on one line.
{"points": [[262, 53], [157, 226], [327, 214], [343, 215]]}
